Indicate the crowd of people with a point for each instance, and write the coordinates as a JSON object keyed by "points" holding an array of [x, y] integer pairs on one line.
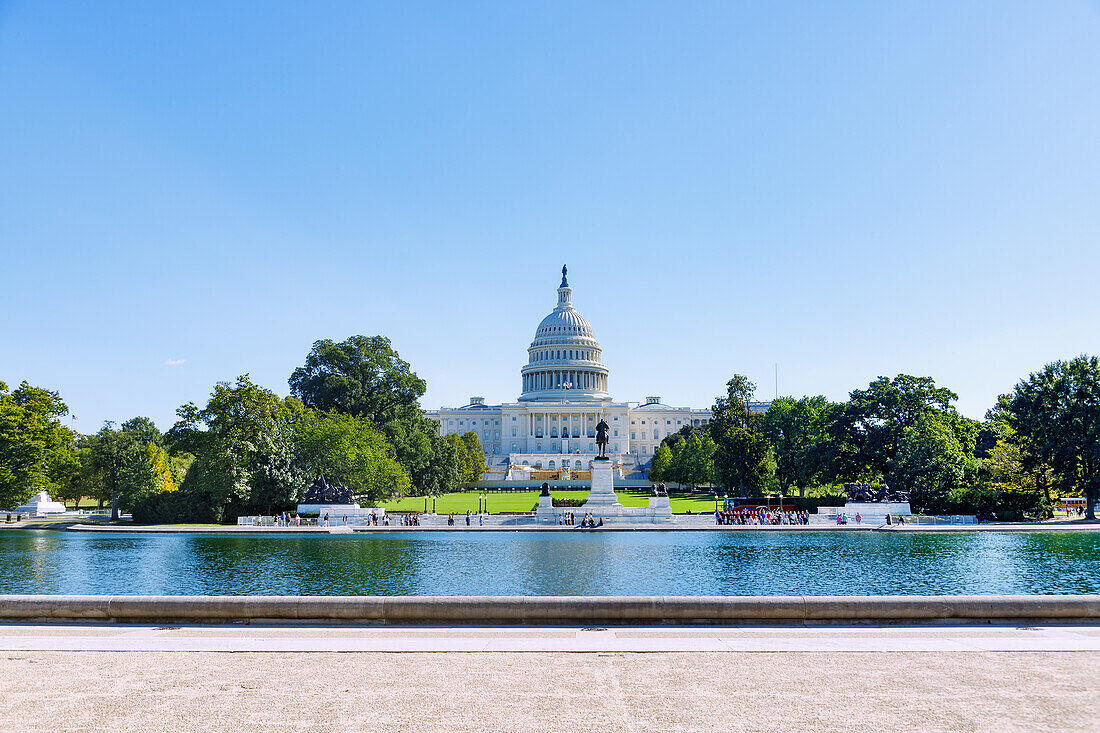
{"points": [[757, 515]]}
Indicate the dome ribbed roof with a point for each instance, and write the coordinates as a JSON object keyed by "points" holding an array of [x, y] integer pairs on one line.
{"points": [[564, 323]]}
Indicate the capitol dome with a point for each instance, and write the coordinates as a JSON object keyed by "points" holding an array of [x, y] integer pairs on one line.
{"points": [[563, 361]]}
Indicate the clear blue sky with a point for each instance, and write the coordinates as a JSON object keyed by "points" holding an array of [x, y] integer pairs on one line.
{"points": [[194, 190]]}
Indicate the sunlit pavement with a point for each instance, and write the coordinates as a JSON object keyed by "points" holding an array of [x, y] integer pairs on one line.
{"points": [[309, 638], [765, 678]]}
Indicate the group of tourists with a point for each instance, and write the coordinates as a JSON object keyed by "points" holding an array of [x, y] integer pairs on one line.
{"points": [[285, 520], [469, 519], [761, 516]]}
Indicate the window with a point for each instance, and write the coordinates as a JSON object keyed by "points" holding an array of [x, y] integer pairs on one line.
{"points": [[591, 446], [538, 464], [513, 432], [616, 448], [577, 464], [643, 450], [525, 462], [668, 422], [677, 422], [655, 436], [496, 422], [633, 436], [513, 418], [514, 449], [496, 435], [616, 419], [616, 432], [552, 466]]}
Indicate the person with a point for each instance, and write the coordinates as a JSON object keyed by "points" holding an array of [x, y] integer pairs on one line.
{"points": [[326, 519], [859, 518], [467, 517], [601, 522], [887, 520], [345, 520], [480, 520]]}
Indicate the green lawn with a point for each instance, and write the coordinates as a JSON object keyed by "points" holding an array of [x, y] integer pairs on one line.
{"points": [[524, 501]]}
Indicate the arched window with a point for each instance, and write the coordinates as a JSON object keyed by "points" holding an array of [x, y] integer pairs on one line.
{"points": [[538, 464], [552, 466], [526, 463], [577, 464]]}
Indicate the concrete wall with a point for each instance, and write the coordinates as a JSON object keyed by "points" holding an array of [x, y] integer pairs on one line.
{"points": [[549, 609]]}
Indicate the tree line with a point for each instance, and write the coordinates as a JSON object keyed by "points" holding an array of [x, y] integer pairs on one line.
{"points": [[1041, 439], [352, 415]]}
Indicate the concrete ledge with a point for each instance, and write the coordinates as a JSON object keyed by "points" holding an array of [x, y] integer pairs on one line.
{"points": [[544, 610]]}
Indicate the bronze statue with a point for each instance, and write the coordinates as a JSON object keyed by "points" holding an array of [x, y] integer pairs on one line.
{"points": [[602, 429]]}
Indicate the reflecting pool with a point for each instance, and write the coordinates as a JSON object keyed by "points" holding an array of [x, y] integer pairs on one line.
{"points": [[537, 563]]}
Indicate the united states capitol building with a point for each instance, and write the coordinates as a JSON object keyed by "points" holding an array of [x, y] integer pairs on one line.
{"points": [[550, 431]]}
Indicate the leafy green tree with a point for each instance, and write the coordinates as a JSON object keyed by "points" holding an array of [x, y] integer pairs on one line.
{"points": [[361, 376], [685, 432], [475, 458], [1056, 415], [798, 431], [867, 432], [660, 468], [348, 451], [742, 459], [36, 451], [695, 461], [931, 462], [444, 470], [248, 465], [732, 409]]}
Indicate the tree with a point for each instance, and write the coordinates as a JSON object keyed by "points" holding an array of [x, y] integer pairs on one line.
{"points": [[361, 376], [475, 458], [866, 433], [930, 462], [348, 451], [695, 462], [1056, 415], [732, 409], [36, 451], [798, 431], [248, 464], [128, 463], [742, 459], [661, 466], [468, 455]]}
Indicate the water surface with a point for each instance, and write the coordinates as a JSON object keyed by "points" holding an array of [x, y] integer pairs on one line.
{"points": [[539, 563]]}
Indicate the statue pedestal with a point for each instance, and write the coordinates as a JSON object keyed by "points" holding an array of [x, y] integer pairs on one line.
{"points": [[603, 488]]}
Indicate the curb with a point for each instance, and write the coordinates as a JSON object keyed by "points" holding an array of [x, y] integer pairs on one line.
{"points": [[549, 610]]}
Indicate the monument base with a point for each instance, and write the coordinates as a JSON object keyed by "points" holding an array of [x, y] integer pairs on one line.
{"points": [[602, 503], [40, 505]]}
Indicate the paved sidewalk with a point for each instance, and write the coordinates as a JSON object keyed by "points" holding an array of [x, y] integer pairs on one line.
{"points": [[509, 691], [622, 639]]}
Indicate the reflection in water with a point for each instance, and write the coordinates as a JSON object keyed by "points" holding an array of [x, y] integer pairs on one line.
{"points": [[537, 563]]}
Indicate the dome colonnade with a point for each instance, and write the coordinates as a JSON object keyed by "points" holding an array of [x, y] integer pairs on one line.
{"points": [[563, 360]]}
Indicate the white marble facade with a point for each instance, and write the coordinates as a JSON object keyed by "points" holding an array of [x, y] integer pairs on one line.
{"points": [[563, 396]]}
